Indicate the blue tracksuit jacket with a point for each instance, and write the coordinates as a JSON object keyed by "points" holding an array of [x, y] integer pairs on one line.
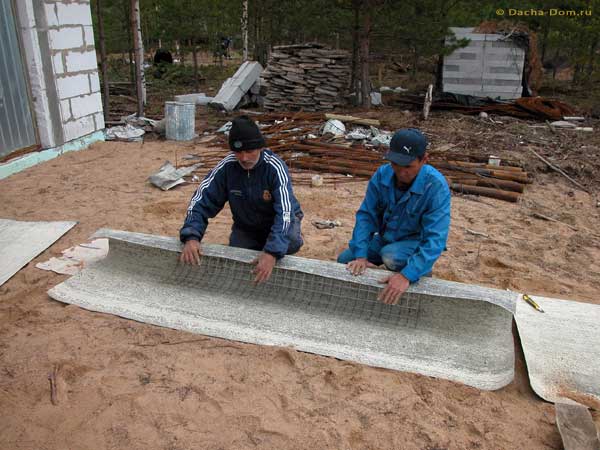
{"points": [[260, 199], [421, 213]]}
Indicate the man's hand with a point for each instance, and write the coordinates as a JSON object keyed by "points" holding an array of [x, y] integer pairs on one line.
{"points": [[264, 266], [358, 266], [191, 252], [397, 284]]}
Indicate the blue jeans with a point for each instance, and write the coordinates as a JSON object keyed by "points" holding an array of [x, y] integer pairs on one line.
{"points": [[393, 255], [256, 240]]}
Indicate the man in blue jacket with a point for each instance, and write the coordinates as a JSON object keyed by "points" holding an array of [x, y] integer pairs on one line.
{"points": [[404, 219], [256, 183]]}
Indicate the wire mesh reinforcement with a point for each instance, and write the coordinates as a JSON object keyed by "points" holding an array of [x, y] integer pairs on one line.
{"points": [[297, 290]]}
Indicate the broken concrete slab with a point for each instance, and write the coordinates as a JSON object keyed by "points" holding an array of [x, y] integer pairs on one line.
{"points": [[233, 89], [576, 427], [442, 329], [198, 99], [562, 349], [20, 242], [255, 88]]}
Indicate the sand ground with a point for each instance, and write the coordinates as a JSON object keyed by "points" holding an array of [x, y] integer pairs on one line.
{"points": [[123, 384]]}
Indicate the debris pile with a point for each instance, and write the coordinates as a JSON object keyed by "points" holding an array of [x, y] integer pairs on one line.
{"points": [[309, 77], [537, 108], [298, 139]]}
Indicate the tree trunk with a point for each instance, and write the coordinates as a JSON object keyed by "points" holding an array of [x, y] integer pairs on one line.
{"points": [[103, 62], [195, 56], [139, 56], [131, 64], [355, 76], [131, 60], [256, 39], [245, 30], [554, 64], [439, 73], [545, 40], [591, 57], [365, 82], [415, 63]]}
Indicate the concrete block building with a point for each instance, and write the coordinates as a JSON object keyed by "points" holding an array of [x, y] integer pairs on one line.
{"points": [[490, 66], [50, 99]]}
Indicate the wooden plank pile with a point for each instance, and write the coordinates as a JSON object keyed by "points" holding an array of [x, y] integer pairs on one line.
{"points": [[308, 77]]}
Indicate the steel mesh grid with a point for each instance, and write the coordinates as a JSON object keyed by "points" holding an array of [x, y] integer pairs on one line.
{"points": [[300, 290]]}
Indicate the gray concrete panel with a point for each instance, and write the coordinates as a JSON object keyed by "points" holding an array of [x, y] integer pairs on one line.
{"points": [[441, 329], [562, 349]]}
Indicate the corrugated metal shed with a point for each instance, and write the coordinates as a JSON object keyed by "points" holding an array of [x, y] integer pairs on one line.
{"points": [[490, 66], [16, 122]]}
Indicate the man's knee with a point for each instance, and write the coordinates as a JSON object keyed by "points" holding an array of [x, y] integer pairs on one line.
{"points": [[295, 236], [295, 245], [396, 255], [345, 257], [392, 262]]}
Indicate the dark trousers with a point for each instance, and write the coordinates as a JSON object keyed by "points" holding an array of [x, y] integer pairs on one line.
{"points": [[256, 240]]}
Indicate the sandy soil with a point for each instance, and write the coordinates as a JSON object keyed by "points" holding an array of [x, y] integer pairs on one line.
{"points": [[123, 384]]}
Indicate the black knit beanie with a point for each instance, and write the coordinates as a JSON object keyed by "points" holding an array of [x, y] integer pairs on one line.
{"points": [[245, 135]]}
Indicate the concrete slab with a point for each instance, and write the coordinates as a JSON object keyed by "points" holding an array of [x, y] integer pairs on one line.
{"points": [[562, 349], [576, 427], [198, 99], [234, 88], [20, 242], [441, 329]]}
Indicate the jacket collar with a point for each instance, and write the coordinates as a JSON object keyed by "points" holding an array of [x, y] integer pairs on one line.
{"points": [[418, 185]]}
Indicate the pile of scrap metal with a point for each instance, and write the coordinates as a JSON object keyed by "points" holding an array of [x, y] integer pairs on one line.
{"points": [[537, 108], [299, 140]]}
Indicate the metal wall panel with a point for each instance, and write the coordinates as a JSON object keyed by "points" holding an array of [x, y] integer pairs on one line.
{"points": [[16, 121]]}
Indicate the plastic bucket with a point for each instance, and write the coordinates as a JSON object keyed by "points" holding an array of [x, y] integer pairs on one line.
{"points": [[180, 121]]}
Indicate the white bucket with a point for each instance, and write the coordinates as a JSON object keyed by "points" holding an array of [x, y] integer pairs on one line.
{"points": [[494, 160]]}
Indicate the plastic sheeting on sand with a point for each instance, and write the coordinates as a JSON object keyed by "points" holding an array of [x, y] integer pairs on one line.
{"points": [[459, 332], [562, 349], [20, 242]]}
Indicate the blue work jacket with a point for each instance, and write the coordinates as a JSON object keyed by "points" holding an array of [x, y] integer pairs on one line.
{"points": [[261, 199], [421, 213]]}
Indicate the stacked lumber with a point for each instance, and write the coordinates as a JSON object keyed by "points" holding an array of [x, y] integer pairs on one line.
{"points": [[308, 77]]}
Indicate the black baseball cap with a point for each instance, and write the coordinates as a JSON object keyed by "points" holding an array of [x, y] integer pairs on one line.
{"points": [[406, 145]]}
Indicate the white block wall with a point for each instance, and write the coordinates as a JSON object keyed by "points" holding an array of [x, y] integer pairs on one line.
{"points": [[488, 67], [75, 67]]}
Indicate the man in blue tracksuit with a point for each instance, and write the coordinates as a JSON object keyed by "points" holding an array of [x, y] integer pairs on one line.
{"points": [[257, 185], [404, 219]]}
